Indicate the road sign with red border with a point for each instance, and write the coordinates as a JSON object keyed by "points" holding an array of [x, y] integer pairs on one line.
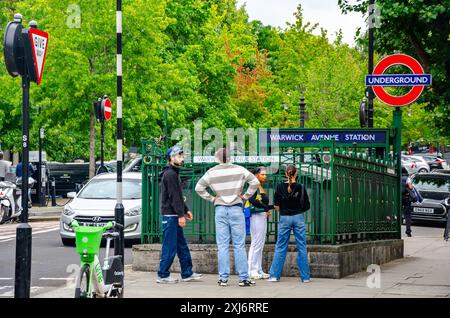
{"points": [[418, 80], [107, 108], [39, 43]]}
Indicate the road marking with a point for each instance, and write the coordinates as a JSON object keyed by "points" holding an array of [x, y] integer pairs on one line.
{"points": [[5, 238], [6, 278], [10, 293]]}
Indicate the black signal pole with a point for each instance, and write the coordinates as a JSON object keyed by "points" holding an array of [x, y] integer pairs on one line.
{"points": [[24, 232], [370, 91], [40, 189], [102, 140]]}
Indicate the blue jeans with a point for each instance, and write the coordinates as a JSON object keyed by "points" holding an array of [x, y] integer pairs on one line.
{"points": [[230, 224], [447, 227], [174, 243], [296, 223]]}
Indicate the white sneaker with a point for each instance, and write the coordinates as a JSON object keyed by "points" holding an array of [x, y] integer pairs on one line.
{"points": [[194, 276], [256, 276], [166, 280], [265, 275], [306, 281], [273, 279]]}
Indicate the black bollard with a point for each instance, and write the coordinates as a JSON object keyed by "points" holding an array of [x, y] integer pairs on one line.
{"points": [[53, 192], [23, 261]]}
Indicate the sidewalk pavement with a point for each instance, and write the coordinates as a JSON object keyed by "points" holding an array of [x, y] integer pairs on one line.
{"points": [[46, 213], [423, 272]]}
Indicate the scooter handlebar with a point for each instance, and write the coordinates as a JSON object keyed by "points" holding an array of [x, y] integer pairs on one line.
{"points": [[117, 225]]}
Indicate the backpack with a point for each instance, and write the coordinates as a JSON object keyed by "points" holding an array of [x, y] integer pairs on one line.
{"points": [[248, 214]]}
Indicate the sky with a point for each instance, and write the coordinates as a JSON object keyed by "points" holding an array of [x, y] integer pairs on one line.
{"points": [[325, 12]]}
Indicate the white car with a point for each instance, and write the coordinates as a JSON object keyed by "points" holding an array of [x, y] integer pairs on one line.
{"points": [[94, 205], [416, 164]]}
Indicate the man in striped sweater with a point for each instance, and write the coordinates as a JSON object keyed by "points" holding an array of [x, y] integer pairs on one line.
{"points": [[227, 181]]}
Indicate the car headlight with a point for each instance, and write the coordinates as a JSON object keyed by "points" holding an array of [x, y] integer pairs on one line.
{"points": [[68, 211], [133, 212], [131, 228], [447, 201], [67, 228]]}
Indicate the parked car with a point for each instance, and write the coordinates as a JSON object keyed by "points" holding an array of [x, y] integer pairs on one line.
{"points": [[71, 177], [435, 189], [133, 165], [416, 164], [407, 164], [434, 162], [445, 171], [94, 205]]}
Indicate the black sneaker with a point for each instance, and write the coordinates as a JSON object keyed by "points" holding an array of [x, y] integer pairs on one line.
{"points": [[408, 234], [222, 282], [246, 283]]}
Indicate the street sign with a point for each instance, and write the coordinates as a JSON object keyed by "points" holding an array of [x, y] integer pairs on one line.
{"points": [[39, 43], [418, 80], [107, 108], [302, 137]]}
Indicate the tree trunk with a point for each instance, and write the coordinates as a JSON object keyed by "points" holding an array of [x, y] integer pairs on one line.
{"points": [[92, 146]]}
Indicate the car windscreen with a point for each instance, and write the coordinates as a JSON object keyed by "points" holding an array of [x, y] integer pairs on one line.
{"points": [[431, 183], [106, 189]]}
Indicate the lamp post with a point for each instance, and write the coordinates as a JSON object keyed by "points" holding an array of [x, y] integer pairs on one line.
{"points": [[370, 91], [286, 109], [302, 106]]}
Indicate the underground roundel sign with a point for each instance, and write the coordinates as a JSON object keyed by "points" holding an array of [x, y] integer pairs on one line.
{"points": [[418, 80]]}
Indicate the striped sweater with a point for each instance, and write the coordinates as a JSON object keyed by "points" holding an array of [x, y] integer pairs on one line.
{"points": [[227, 181]]}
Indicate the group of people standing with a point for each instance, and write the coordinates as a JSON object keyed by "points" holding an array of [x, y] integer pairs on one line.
{"points": [[227, 181]]}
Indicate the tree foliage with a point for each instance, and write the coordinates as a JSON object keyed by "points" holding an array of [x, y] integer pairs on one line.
{"points": [[195, 59]]}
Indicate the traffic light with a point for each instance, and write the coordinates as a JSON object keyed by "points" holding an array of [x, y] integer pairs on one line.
{"points": [[18, 49], [14, 47], [363, 113], [97, 110]]}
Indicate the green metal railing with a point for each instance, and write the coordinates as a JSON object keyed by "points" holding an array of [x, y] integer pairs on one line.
{"points": [[353, 197]]}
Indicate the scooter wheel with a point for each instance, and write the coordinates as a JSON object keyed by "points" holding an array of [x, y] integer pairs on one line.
{"points": [[4, 214]]}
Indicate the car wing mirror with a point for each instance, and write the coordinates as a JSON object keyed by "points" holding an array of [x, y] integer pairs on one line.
{"points": [[71, 195]]}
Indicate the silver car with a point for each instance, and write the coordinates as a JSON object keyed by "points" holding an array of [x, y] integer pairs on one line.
{"points": [[94, 205], [415, 164]]}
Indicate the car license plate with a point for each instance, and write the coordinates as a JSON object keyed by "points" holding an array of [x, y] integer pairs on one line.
{"points": [[423, 210], [93, 224]]}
